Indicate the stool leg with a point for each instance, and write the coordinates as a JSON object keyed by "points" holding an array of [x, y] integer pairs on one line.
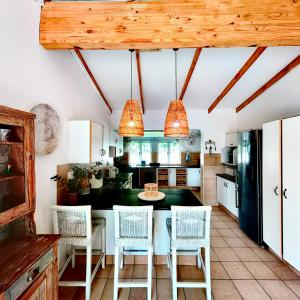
{"points": [[73, 257], [103, 245], [174, 273], [150, 266], [116, 273], [207, 273], [198, 258], [88, 275]]}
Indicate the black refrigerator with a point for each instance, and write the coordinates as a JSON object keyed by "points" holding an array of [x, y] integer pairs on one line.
{"points": [[249, 183]]}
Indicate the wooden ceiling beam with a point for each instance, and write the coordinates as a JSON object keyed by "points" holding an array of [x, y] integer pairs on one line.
{"points": [[89, 72], [165, 24], [293, 64], [257, 53], [138, 63], [190, 72]]}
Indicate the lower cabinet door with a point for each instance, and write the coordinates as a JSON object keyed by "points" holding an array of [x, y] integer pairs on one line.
{"points": [[220, 190], [231, 200]]}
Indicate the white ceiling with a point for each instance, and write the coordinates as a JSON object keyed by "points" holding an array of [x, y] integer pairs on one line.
{"points": [[214, 70]]}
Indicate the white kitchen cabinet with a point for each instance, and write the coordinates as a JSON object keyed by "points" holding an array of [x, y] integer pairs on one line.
{"points": [[291, 190], [231, 139], [272, 186], [85, 143], [172, 176], [117, 141], [231, 204], [226, 195], [193, 177], [221, 191]]}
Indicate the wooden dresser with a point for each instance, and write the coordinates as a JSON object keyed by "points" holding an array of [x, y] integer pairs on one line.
{"points": [[28, 261]]}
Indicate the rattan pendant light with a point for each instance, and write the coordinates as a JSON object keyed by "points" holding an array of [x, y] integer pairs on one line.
{"points": [[131, 123], [176, 124]]}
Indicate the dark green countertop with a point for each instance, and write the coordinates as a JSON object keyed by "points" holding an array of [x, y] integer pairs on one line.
{"points": [[106, 199]]}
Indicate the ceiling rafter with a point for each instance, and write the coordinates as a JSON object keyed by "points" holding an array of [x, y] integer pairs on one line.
{"points": [[255, 55], [89, 72], [294, 63], [138, 63], [190, 72]]}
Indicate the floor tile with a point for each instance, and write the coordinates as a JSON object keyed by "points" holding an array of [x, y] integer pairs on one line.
{"points": [[190, 273], [236, 270], [217, 271], [224, 290], [97, 288], [281, 270], [234, 242], [214, 232], [249, 243], [246, 254], [125, 273], [218, 242], [225, 218], [265, 255], [239, 232], [103, 273], [232, 224], [277, 290], [219, 225], [108, 291], [259, 270], [250, 290], [164, 290], [141, 293], [294, 285], [162, 271], [66, 292], [213, 256], [226, 254], [141, 271], [193, 294], [226, 232]]}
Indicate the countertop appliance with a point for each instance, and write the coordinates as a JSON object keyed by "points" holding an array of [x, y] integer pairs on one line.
{"points": [[249, 180], [229, 155]]}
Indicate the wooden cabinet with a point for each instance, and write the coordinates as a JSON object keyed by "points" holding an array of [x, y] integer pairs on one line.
{"points": [[291, 190], [193, 177], [226, 195], [85, 143], [117, 141], [272, 225]]}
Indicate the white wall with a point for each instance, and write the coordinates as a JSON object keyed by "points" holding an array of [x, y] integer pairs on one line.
{"points": [[282, 100], [31, 75], [213, 126]]}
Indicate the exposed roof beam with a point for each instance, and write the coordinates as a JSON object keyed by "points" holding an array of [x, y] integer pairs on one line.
{"points": [[190, 72], [272, 81], [89, 72], [138, 63], [257, 53], [169, 24]]}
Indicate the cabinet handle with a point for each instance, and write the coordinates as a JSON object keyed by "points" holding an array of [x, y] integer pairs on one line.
{"points": [[237, 204], [284, 193], [275, 190]]}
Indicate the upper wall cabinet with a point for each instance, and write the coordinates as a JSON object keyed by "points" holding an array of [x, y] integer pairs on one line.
{"points": [[85, 142], [117, 141], [231, 139]]}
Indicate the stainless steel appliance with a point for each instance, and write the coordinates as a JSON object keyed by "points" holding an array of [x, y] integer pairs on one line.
{"points": [[249, 179], [229, 155]]}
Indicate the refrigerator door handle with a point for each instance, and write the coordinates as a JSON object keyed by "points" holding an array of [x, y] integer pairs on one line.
{"points": [[237, 203]]}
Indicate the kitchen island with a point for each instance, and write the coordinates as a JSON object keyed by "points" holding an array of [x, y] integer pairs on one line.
{"points": [[102, 202]]}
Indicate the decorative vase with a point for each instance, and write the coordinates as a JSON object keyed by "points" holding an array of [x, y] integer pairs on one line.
{"points": [[72, 198], [96, 183], [85, 186]]}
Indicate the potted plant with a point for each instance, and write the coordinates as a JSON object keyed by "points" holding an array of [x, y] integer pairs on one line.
{"points": [[73, 190], [96, 176]]}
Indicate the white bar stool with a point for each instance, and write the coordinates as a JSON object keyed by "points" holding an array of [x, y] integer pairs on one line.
{"points": [[133, 229], [74, 224], [189, 231]]}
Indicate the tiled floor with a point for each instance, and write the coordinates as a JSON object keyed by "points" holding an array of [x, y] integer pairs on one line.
{"points": [[239, 270]]}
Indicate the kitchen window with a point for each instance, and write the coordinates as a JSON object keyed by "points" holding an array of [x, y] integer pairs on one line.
{"points": [[169, 153], [139, 151]]}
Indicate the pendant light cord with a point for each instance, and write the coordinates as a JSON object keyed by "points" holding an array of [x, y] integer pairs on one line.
{"points": [[131, 73], [175, 51]]}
